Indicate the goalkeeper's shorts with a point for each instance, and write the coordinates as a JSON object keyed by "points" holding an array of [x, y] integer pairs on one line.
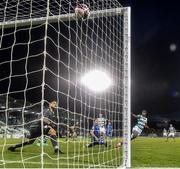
{"points": [[48, 130], [37, 132]]}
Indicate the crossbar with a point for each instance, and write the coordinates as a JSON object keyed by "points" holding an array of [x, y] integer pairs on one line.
{"points": [[62, 17]]}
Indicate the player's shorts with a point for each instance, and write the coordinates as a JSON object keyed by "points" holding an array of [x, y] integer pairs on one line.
{"points": [[36, 131], [102, 130], [164, 134], [136, 130], [171, 134]]}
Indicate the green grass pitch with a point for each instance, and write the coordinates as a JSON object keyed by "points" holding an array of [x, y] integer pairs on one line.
{"points": [[77, 156], [146, 152], [155, 152]]}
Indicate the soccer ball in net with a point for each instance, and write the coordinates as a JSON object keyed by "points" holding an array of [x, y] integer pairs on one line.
{"points": [[82, 11], [118, 145]]}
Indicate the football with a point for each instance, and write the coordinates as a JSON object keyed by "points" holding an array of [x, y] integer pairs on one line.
{"points": [[118, 145], [82, 11]]}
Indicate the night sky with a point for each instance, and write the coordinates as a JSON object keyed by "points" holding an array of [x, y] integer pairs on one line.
{"points": [[155, 57]]}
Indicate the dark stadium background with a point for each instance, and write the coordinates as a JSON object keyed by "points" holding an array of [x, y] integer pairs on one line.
{"points": [[155, 61], [155, 66]]}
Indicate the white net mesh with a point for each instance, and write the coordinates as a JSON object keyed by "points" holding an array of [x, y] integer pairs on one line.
{"points": [[43, 59]]}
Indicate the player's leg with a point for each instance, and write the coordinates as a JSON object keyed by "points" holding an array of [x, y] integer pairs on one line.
{"points": [[168, 136], [74, 135], [93, 143], [53, 136], [135, 132], [67, 135], [105, 143], [107, 134], [111, 135], [45, 139], [29, 142], [103, 140], [34, 134], [173, 136], [134, 135]]}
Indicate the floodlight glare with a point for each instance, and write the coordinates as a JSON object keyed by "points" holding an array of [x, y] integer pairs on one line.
{"points": [[96, 80]]}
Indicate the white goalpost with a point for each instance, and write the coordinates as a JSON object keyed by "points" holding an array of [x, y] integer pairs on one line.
{"points": [[44, 53]]}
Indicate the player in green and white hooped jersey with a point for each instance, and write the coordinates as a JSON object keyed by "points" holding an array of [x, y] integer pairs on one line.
{"points": [[138, 128], [171, 132], [140, 125]]}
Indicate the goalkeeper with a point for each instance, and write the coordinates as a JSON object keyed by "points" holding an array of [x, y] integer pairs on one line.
{"points": [[49, 129]]}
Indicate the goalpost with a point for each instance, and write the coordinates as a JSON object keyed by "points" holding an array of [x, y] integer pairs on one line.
{"points": [[44, 52]]}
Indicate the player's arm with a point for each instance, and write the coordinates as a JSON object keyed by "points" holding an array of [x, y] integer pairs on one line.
{"points": [[149, 128], [134, 115], [146, 126]]}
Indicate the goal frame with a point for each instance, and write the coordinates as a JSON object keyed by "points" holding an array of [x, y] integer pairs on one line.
{"points": [[127, 87], [126, 12]]}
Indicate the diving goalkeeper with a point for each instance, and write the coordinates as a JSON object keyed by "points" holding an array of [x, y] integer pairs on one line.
{"points": [[49, 129]]}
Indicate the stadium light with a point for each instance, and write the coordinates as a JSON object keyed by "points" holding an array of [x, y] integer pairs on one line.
{"points": [[96, 80]]}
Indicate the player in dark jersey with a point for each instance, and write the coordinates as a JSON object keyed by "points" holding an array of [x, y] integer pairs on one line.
{"points": [[97, 137], [49, 129]]}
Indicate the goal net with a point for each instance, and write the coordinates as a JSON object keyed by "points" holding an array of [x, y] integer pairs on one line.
{"points": [[45, 50]]}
